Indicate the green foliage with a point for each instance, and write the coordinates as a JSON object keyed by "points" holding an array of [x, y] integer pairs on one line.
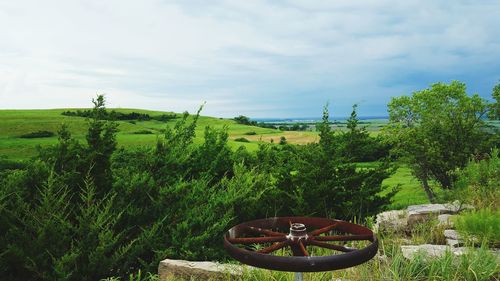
{"points": [[428, 232], [356, 143], [495, 107], [251, 133], [114, 115], [241, 140], [436, 130], [37, 134], [478, 183], [318, 180], [6, 164], [142, 132], [244, 120], [482, 225], [87, 210]]}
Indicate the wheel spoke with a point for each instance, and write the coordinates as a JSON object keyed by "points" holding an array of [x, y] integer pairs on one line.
{"points": [[343, 237], [272, 248], [264, 231], [322, 230], [329, 246], [254, 240], [303, 249]]}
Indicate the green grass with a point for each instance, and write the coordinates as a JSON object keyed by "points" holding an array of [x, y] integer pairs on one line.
{"points": [[19, 122], [480, 225], [410, 193]]}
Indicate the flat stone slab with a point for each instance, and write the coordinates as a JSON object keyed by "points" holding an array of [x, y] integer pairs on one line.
{"points": [[391, 221], [437, 251], [433, 251], [418, 213], [199, 270]]}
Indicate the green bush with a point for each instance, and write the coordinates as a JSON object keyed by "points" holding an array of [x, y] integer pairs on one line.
{"points": [[482, 225], [241, 140], [142, 132], [37, 134], [478, 183], [251, 133], [6, 164]]}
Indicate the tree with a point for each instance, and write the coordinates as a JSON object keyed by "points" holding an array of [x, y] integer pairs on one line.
{"points": [[495, 107], [101, 140], [244, 120], [436, 130], [356, 139]]}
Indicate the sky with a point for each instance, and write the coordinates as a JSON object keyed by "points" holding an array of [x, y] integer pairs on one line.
{"points": [[276, 58]]}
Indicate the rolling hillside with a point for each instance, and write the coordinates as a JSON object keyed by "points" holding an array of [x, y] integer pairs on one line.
{"points": [[15, 123]]}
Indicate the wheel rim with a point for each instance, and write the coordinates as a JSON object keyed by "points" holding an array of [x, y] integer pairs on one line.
{"points": [[300, 236]]}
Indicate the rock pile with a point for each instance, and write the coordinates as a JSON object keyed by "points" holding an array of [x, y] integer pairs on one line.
{"points": [[403, 221]]}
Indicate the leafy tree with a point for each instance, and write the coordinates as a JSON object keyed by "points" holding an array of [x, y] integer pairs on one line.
{"points": [[495, 107], [244, 120], [357, 145], [436, 130]]}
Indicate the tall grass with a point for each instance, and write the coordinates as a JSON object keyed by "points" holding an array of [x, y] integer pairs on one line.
{"points": [[482, 225]]}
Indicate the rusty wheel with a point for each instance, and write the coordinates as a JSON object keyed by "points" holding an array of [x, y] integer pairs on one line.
{"points": [[254, 242]]}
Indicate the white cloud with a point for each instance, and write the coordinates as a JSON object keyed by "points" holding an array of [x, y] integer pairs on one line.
{"points": [[260, 58]]}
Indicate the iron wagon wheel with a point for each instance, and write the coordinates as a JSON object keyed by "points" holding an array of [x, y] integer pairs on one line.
{"points": [[304, 232]]}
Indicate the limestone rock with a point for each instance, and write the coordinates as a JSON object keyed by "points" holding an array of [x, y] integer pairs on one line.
{"points": [[172, 269], [418, 213], [456, 206], [445, 220], [451, 234], [427, 249], [391, 221], [454, 242]]}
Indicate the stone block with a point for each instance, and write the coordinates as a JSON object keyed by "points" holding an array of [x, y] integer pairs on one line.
{"points": [[195, 270], [391, 221]]}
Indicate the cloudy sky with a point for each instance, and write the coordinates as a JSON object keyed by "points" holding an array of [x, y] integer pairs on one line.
{"points": [[275, 58]]}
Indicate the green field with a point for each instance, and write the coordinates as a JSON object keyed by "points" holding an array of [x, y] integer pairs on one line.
{"points": [[15, 123]]}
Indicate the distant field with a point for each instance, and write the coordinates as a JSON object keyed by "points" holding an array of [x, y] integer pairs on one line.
{"points": [[15, 123]]}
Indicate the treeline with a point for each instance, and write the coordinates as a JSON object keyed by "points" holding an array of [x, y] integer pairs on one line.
{"points": [[114, 115], [86, 211], [241, 119]]}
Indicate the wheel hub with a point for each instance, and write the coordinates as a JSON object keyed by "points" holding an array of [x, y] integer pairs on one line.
{"points": [[298, 231]]}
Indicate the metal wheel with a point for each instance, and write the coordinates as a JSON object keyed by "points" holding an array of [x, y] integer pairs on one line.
{"points": [[269, 235]]}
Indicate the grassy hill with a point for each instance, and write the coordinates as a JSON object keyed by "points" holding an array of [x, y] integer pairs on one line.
{"points": [[15, 123]]}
